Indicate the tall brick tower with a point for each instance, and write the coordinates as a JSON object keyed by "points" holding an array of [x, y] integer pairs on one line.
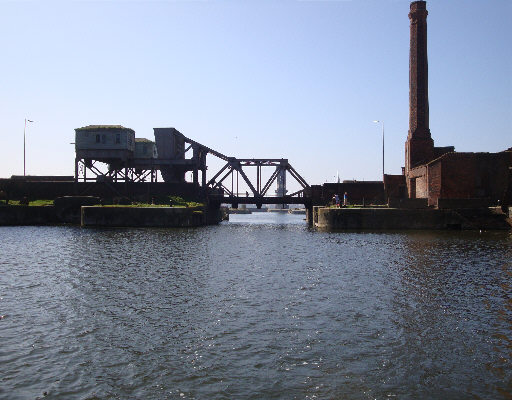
{"points": [[419, 147]]}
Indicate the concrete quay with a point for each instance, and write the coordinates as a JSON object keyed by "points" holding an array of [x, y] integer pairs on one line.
{"points": [[110, 216], [100, 216], [398, 219], [28, 215]]}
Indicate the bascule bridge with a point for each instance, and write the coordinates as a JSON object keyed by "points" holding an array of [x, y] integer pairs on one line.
{"points": [[112, 153]]}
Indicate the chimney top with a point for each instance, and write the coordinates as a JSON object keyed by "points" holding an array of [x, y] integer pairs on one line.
{"points": [[418, 5]]}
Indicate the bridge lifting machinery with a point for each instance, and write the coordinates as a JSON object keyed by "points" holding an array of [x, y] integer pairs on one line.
{"points": [[138, 160]]}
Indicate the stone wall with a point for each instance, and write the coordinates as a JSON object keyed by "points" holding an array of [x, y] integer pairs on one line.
{"points": [[408, 203], [142, 217], [434, 183], [28, 215], [398, 219], [470, 176], [394, 187], [463, 203], [416, 182], [463, 176]]}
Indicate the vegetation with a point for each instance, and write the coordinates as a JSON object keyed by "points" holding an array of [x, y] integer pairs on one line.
{"points": [[30, 203], [161, 201], [136, 205], [177, 201], [358, 206]]}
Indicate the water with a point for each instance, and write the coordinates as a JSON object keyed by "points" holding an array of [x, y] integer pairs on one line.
{"points": [[258, 308]]}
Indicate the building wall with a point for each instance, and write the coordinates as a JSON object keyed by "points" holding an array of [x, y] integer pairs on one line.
{"points": [[475, 175], [109, 144], [170, 143], [105, 139], [434, 183], [357, 192], [466, 176], [461, 176], [145, 149], [416, 182], [421, 187], [418, 151], [394, 187], [458, 177]]}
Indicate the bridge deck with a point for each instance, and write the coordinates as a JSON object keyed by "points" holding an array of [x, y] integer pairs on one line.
{"points": [[260, 200]]}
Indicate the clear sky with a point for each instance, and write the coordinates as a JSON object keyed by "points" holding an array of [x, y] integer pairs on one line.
{"points": [[301, 80]]}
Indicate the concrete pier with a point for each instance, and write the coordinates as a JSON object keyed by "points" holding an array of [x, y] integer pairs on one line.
{"points": [[147, 217], [112, 216], [397, 219], [28, 215]]}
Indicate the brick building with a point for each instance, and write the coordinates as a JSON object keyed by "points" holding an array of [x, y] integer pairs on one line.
{"points": [[434, 173]]}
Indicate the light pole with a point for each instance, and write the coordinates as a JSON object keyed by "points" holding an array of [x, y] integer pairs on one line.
{"points": [[24, 146], [382, 122]]}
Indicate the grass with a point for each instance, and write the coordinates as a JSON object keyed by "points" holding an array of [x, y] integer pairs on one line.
{"points": [[360, 206], [178, 201], [135, 205], [166, 201], [30, 203], [141, 205]]}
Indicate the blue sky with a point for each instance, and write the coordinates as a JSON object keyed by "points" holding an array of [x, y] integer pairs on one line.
{"points": [[301, 80]]}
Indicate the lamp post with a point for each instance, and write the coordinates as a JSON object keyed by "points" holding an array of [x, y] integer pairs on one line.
{"points": [[24, 146], [382, 122]]}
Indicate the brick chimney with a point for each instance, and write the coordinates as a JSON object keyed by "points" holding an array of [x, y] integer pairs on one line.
{"points": [[419, 147]]}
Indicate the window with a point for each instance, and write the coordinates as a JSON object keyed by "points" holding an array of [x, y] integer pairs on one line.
{"points": [[98, 138], [144, 149], [103, 138], [118, 138]]}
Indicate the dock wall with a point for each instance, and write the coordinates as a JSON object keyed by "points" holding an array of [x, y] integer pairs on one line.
{"points": [[391, 219], [112, 216], [28, 215], [98, 216]]}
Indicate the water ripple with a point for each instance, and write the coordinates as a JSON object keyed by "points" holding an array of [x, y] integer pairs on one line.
{"points": [[262, 309]]}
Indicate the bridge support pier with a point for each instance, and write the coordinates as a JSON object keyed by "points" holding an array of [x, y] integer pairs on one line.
{"points": [[309, 215]]}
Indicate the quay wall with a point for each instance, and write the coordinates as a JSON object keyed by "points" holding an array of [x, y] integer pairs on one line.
{"points": [[98, 216], [112, 216], [28, 215], [398, 219]]}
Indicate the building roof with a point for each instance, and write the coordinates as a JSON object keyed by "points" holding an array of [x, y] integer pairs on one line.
{"points": [[144, 140], [103, 128]]}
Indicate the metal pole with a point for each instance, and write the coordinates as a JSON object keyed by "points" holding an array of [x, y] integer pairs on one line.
{"points": [[24, 129], [24, 144], [383, 150], [382, 122]]}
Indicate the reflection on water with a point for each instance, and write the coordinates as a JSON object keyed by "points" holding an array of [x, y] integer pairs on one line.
{"points": [[258, 307]]}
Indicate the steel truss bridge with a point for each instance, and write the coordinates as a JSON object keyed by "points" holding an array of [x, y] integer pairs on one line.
{"points": [[221, 188], [234, 169]]}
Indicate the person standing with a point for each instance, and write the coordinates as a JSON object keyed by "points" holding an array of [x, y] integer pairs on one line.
{"points": [[345, 200]]}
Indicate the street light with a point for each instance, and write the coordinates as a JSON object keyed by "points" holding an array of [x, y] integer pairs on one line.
{"points": [[382, 122], [24, 146]]}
